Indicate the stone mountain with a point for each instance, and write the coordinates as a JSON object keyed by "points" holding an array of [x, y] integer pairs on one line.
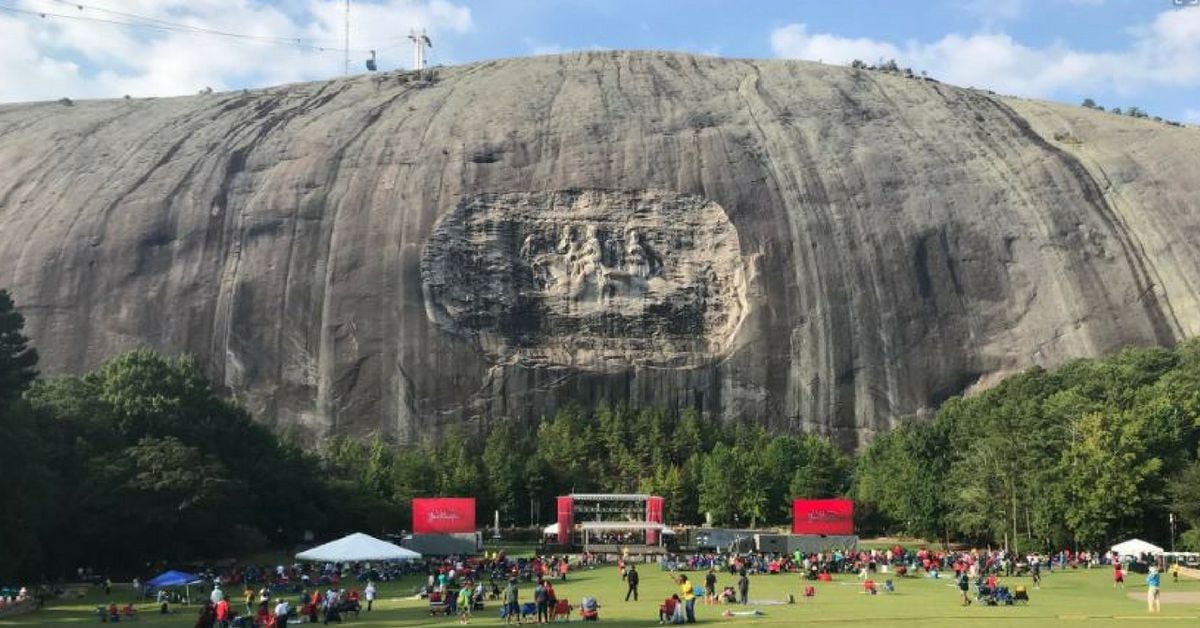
{"points": [[814, 247]]}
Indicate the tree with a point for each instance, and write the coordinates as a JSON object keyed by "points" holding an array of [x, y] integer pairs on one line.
{"points": [[502, 467], [1088, 103], [27, 498], [18, 360], [719, 482], [1103, 469]]}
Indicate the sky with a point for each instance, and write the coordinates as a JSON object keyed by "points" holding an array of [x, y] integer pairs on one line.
{"points": [[1121, 53]]}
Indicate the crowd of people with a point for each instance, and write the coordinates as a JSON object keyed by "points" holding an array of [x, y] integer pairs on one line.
{"points": [[459, 585], [10, 598]]}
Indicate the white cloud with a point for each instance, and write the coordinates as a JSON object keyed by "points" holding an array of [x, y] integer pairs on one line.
{"points": [[49, 58], [1155, 56], [794, 42], [537, 48], [1192, 116]]}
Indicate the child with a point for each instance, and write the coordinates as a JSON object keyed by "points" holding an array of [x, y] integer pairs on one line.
{"points": [[464, 605]]}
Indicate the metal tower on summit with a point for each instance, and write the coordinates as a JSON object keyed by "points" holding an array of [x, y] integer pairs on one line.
{"points": [[419, 40]]}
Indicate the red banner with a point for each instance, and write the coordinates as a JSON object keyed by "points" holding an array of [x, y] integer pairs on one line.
{"points": [[822, 516], [654, 514], [566, 516], [443, 515]]}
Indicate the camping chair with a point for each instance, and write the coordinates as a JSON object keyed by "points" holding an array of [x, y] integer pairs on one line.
{"points": [[1020, 594], [437, 604], [528, 609], [1003, 596], [561, 611], [810, 591]]}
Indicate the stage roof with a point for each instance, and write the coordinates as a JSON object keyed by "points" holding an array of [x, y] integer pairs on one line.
{"points": [[621, 525]]}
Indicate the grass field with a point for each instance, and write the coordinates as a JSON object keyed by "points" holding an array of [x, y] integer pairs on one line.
{"points": [[1065, 599]]}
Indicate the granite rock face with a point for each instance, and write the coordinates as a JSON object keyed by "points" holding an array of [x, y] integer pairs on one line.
{"points": [[812, 246]]}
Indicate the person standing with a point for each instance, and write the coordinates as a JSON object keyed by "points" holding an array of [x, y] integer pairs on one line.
{"points": [[744, 588], [282, 610], [964, 585], [369, 592], [217, 594], [223, 614], [632, 579], [539, 598], [710, 586], [1153, 580], [689, 598], [512, 604], [464, 605]]}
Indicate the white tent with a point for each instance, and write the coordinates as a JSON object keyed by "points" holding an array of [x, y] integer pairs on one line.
{"points": [[356, 547], [550, 530], [1136, 547]]}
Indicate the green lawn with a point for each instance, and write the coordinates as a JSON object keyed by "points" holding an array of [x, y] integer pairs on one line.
{"points": [[1072, 598]]}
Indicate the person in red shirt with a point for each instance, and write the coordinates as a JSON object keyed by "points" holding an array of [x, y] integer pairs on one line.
{"points": [[1118, 575], [223, 616]]}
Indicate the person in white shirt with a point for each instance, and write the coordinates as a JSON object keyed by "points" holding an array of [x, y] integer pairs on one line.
{"points": [[281, 612], [217, 594], [369, 592]]}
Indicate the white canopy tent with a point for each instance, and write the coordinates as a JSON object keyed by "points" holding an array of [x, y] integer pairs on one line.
{"points": [[1136, 547], [357, 547]]}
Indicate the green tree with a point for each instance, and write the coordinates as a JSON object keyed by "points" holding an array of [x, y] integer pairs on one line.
{"points": [[18, 360], [1103, 469], [502, 468], [719, 483]]}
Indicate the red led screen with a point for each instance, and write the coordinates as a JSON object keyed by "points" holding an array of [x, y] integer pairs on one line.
{"points": [[443, 515], [822, 516]]}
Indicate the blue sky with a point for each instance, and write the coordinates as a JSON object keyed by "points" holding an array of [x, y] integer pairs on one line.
{"points": [[1120, 52]]}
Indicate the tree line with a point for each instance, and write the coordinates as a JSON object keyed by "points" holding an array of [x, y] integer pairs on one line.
{"points": [[141, 463], [1089, 453]]}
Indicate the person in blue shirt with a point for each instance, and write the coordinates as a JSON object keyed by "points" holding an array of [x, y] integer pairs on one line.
{"points": [[1153, 579]]}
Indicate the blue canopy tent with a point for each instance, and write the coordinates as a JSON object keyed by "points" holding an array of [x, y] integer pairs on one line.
{"points": [[175, 579]]}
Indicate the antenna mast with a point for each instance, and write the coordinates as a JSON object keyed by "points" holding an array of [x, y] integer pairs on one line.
{"points": [[420, 40], [346, 40]]}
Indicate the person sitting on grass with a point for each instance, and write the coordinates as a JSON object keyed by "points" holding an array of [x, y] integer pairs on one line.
{"points": [[589, 609], [869, 587], [669, 610]]}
